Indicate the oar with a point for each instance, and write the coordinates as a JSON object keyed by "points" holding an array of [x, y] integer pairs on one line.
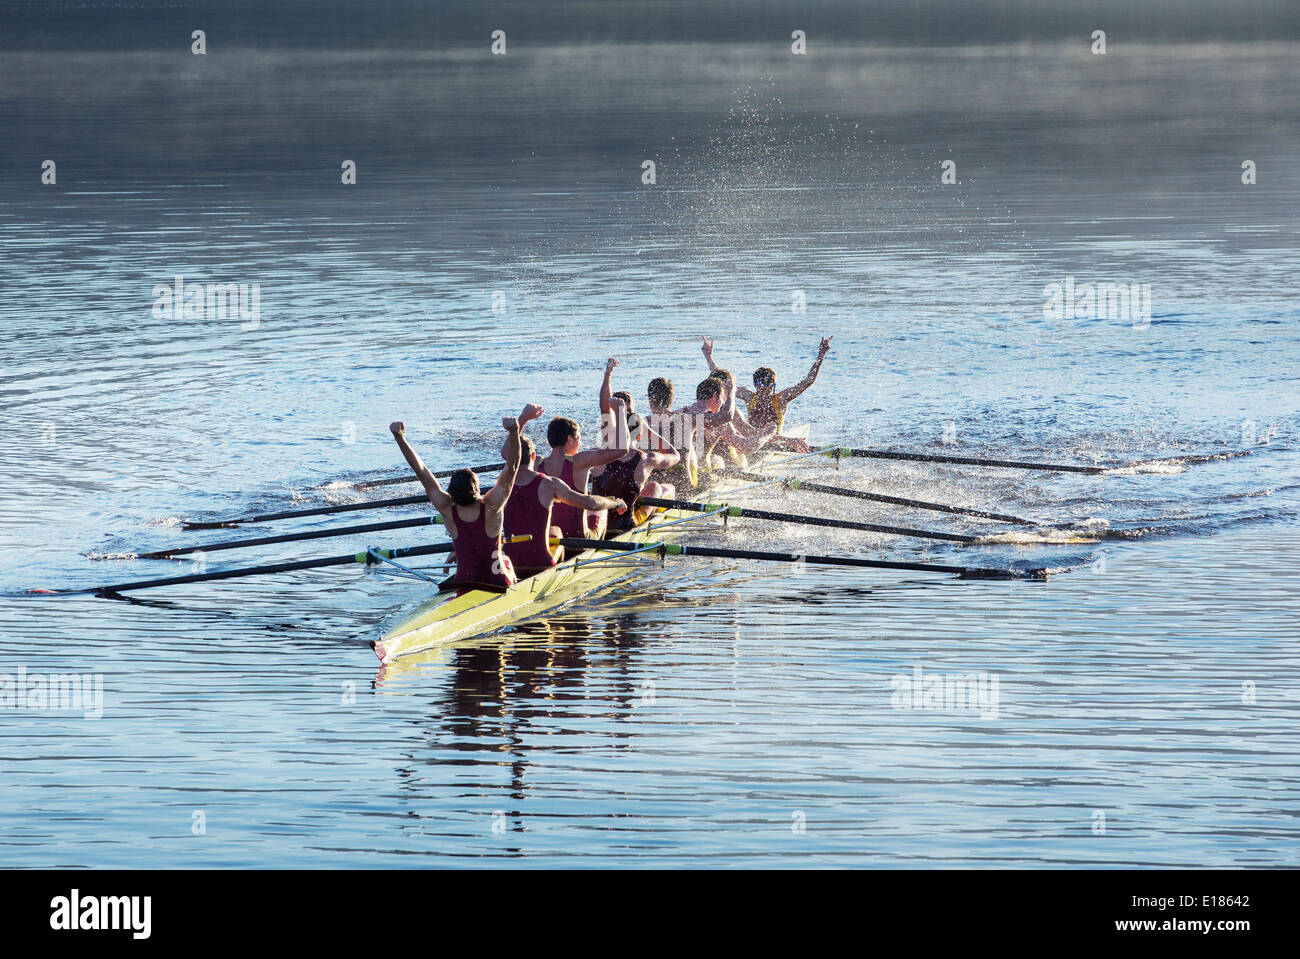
{"points": [[678, 549], [361, 557], [963, 460], [796, 484], [292, 537], [399, 480], [681, 504], [341, 508], [314, 511]]}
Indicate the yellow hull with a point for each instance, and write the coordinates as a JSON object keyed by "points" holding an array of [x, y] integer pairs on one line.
{"points": [[446, 617]]}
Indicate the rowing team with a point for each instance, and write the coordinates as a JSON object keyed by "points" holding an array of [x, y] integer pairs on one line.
{"points": [[537, 502]]}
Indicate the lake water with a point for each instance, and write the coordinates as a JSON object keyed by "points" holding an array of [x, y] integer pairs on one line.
{"points": [[1147, 698]]}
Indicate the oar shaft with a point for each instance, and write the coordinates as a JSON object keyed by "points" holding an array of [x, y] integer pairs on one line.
{"points": [[442, 474], [805, 520], [678, 549], [293, 537], [314, 511], [966, 461], [289, 567], [341, 507], [798, 484]]}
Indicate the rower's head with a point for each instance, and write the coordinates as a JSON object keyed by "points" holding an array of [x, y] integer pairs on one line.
{"points": [[462, 487], [765, 379], [709, 392], [727, 380], [626, 397], [660, 393], [564, 433], [527, 452]]}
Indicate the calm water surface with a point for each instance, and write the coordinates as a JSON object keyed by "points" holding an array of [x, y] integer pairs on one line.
{"points": [[720, 714]]}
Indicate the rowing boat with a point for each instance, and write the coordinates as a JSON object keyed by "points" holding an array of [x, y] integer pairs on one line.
{"points": [[449, 617]]}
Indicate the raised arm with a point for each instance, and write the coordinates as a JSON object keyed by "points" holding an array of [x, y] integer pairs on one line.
{"points": [[437, 495], [500, 492], [742, 393], [621, 446], [794, 392], [606, 387], [496, 497], [707, 347]]}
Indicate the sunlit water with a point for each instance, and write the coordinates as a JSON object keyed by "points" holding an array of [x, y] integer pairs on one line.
{"points": [[719, 713]]}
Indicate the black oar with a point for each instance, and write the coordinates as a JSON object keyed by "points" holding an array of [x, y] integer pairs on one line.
{"points": [[292, 537], [362, 557], [678, 549], [314, 511], [805, 520], [797, 484], [964, 461], [399, 480], [340, 508]]}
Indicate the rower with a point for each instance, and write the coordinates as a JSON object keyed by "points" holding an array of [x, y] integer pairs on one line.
{"points": [[473, 521], [669, 433], [727, 413], [569, 462], [766, 404], [660, 393], [708, 429], [628, 477], [529, 511]]}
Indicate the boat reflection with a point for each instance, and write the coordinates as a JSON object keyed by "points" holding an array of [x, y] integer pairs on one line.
{"points": [[501, 698]]}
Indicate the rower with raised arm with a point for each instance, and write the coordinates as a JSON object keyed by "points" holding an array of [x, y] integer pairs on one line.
{"points": [[528, 511], [669, 430], [727, 413], [569, 462], [709, 429], [767, 404], [473, 521], [628, 478]]}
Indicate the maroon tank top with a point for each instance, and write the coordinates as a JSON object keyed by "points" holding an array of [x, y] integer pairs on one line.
{"points": [[619, 480], [480, 560], [570, 519], [525, 515]]}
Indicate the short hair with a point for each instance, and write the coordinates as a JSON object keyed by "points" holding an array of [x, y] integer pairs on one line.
{"points": [[660, 392], [765, 376], [560, 430], [709, 387], [626, 397], [462, 487], [722, 375], [526, 449]]}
